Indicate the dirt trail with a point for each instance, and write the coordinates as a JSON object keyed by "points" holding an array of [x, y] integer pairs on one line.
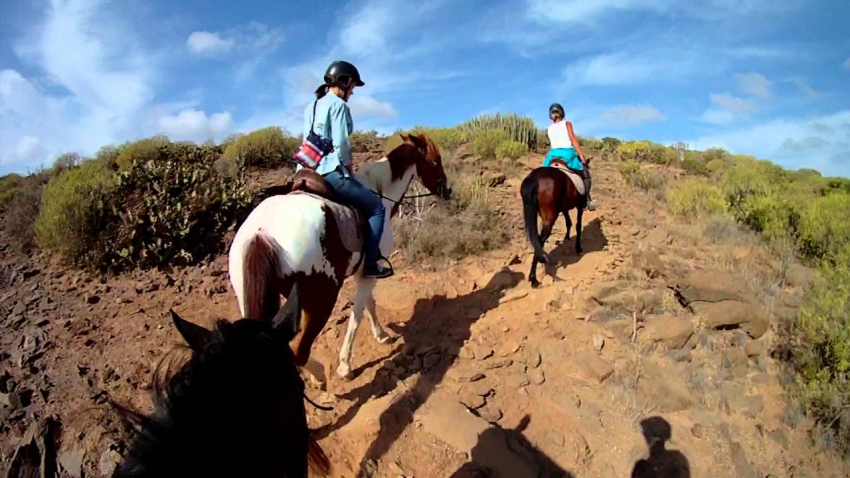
{"points": [[487, 373]]}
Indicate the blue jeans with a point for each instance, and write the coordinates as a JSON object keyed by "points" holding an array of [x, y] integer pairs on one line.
{"points": [[350, 191]]}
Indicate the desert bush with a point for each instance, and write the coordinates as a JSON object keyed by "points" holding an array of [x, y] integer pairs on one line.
{"points": [[634, 150], [610, 145], [141, 150], [511, 150], [589, 145], [542, 140], [823, 359], [66, 161], [362, 141], [107, 156], [9, 186], [518, 128], [824, 225], [20, 217], [695, 197], [637, 177], [466, 225], [171, 208], [71, 216], [484, 143], [694, 163], [264, 148]]}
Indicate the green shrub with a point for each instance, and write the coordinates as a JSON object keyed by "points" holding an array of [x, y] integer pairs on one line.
{"points": [[511, 149], [610, 145], [9, 186], [542, 140], [66, 161], [464, 226], [263, 148], [485, 143], [823, 359], [141, 150], [71, 217], [589, 145], [171, 208], [695, 197], [825, 225], [640, 178], [363, 141], [518, 128], [108, 156], [634, 150], [694, 163]]}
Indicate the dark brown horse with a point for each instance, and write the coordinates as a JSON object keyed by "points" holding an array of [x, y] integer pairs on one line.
{"points": [[548, 192]]}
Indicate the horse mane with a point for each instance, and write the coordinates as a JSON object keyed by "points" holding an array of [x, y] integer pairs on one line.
{"points": [[235, 408], [402, 158]]}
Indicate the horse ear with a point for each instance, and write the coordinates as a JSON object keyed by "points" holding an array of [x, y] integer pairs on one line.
{"points": [[196, 336], [405, 137], [287, 321]]}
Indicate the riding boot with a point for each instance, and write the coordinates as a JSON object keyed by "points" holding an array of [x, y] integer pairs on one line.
{"points": [[590, 204]]}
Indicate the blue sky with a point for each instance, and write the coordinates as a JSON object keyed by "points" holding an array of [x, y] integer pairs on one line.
{"points": [[758, 77]]}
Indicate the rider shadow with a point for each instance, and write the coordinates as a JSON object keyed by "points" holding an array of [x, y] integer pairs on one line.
{"points": [[563, 255], [661, 462], [509, 452], [436, 322]]}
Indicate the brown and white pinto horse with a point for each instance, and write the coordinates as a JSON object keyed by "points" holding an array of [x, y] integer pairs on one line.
{"points": [[295, 239]]}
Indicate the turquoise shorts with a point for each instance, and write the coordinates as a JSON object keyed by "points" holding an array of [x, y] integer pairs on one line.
{"points": [[568, 155]]}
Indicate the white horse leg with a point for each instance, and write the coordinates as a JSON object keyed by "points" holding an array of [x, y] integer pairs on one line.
{"points": [[379, 332], [364, 290]]}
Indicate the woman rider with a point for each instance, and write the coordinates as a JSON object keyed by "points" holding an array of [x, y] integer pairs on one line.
{"points": [[333, 120], [564, 145]]}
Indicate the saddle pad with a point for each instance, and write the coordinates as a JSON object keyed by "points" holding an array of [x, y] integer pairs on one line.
{"points": [[577, 180], [348, 221]]}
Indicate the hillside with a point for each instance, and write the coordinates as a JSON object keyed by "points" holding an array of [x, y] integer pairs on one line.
{"points": [[669, 341]]}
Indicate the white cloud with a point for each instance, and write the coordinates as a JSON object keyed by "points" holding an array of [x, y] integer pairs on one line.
{"points": [[629, 115], [580, 11], [846, 64], [716, 116], [804, 87], [820, 142], [368, 106], [193, 125], [755, 84], [208, 43], [732, 104], [630, 68]]}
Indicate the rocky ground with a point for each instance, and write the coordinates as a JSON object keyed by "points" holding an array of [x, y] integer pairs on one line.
{"points": [[655, 348]]}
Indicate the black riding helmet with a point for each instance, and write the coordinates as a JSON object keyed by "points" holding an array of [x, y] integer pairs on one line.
{"points": [[556, 107], [343, 72]]}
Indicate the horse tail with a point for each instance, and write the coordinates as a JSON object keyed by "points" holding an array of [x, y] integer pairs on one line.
{"points": [[260, 273], [530, 205], [317, 460]]}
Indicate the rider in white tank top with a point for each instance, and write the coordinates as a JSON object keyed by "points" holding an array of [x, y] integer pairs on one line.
{"points": [[559, 137]]}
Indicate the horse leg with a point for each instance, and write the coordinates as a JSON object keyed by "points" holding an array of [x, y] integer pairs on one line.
{"points": [[569, 224], [578, 229], [544, 235], [317, 303], [378, 332], [361, 296]]}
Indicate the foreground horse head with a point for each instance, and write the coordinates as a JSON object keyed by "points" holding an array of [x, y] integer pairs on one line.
{"points": [[548, 192], [235, 408], [304, 239]]}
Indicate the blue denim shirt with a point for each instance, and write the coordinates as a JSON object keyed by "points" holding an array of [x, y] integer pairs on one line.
{"points": [[333, 120]]}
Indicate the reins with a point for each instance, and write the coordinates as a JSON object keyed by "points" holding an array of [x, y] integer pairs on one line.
{"points": [[320, 407]]}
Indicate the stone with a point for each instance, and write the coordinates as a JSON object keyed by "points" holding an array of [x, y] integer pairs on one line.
{"points": [[513, 296], [547, 281], [498, 280], [641, 300], [517, 381], [537, 377], [736, 360], [757, 347], [466, 353], [71, 462], [430, 360], [650, 263], [556, 437], [668, 331], [698, 430], [473, 401], [483, 353], [534, 359], [469, 376], [498, 363], [780, 437], [741, 463], [481, 388], [732, 313], [668, 389], [598, 342], [490, 413], [588, 366]]}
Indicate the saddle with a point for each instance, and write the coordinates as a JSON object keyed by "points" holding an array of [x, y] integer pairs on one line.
{"points": [[577, 180], [348, 220]]}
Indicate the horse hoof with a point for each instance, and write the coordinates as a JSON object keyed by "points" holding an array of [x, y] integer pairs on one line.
{"points": [[579, 250], [387, 338], [535, 284]]}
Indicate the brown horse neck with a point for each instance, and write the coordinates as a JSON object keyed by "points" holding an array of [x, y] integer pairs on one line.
{"points": [[401, 159]]}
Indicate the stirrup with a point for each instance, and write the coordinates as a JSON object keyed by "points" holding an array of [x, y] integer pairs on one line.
{"points": [[389, 268]]}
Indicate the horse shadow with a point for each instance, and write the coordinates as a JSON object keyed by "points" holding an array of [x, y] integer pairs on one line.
{"points": [[661, 462], [496, 443], [563, 255], [436, 322]]}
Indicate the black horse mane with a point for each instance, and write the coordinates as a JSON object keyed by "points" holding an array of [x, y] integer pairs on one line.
{"points": [[234, 408]]}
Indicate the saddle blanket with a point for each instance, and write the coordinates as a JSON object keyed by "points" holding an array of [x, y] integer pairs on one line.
{"points": [[348, 221], [577, 180]]}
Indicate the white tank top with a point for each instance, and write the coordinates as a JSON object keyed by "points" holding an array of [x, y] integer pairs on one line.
{"points": [[559, 137]]}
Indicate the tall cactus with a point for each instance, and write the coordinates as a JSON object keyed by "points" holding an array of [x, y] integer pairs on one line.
{"points": [[519, 128]]}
